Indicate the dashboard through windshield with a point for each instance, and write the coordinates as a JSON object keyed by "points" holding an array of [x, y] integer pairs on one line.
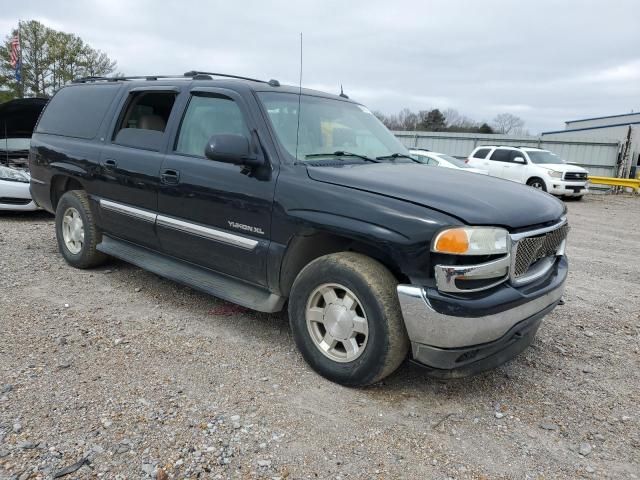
{"points": [[328, 126]]}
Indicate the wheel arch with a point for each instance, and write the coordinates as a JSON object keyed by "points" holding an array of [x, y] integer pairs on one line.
{"points": [[302, 249], [61, 184]]}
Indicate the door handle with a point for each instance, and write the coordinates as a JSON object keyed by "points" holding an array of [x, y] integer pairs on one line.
{"points": [[170, 177], [109, 163]]}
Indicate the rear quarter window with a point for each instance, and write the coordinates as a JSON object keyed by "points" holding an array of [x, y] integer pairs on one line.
{"points": [[77, 111], [481, 153]]}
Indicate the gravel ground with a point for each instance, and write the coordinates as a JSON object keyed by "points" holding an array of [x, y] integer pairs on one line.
{"points": [[117, 373]]}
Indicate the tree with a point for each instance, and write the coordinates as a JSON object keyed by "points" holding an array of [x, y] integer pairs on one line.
{"points": [[50, 59], [434, 121], [485, 128], [407, 119], [507, 123]]}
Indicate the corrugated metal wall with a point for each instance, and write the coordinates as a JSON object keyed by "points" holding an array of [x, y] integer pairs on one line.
{"points": [[599, 157]]}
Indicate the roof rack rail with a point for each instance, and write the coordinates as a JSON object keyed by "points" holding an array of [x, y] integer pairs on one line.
{"points": [[196, 73], [116, 79], [193, 74]]}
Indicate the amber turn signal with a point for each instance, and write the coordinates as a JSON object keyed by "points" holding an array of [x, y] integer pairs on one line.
{"points": [[453, 241]]}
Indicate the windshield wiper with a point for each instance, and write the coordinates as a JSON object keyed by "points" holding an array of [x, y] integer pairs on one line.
{"points": [[340, 153], [393, 156]]}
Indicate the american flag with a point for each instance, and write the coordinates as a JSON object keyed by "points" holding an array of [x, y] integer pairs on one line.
{"points": [[14, 55]]}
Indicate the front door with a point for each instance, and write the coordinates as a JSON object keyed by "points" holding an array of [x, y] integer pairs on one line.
{"points": [[210, 213], [514, 171]]}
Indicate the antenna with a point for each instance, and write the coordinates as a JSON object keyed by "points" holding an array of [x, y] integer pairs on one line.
{"points": [[299, 98], [342, 94]]}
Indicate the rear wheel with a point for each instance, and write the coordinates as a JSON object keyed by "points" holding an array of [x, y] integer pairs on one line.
{"points": [[537, 183], [77, 232], [346, 321]]}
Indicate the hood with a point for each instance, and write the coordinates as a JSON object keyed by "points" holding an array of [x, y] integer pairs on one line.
{"points": [[474, 199], [18, 117], [562, 167]]}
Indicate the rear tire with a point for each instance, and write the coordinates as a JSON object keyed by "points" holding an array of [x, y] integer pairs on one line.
{"points": [[346, 319], [77, 232], [537, 183]]}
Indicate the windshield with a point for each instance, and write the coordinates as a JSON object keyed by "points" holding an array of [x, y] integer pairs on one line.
{"points": [[455, 161], [328, 126], [542, 156]]}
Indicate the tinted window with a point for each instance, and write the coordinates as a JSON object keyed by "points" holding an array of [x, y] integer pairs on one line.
{"points": [[481, 153], [147, 111], [77, 111], [501, 155], [207, 116]]}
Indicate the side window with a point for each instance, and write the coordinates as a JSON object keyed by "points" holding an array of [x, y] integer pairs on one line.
{"points": [[207, 116], [501, 155], [143, 120], [147, 111], [481, 153]]}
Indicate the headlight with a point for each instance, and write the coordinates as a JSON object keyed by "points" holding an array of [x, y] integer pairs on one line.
{"points": [[553, 173], [13, 175], [471, 241]]}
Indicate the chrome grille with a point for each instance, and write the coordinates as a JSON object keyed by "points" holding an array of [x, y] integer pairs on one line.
{"points": [[575, 176], [529, 250]]}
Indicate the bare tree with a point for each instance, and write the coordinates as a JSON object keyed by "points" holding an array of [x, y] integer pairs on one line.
{"points": [[508, 123]]}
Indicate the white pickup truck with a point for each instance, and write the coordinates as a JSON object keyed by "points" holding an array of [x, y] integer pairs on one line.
{"points": [[535, 167]]}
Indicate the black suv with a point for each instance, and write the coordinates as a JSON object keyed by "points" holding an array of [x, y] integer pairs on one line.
{"points": [[267, 195]]}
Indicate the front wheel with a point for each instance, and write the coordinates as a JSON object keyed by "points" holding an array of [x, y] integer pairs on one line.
{"points": [[537, 183], [346, 320]]}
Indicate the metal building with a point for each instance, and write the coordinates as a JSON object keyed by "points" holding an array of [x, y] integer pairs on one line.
{"points": [[600, 157], [623, 128]]}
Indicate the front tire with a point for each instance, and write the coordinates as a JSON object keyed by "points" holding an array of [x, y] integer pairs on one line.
{"points": [[346, 320], [77, 232], [537, 183]]}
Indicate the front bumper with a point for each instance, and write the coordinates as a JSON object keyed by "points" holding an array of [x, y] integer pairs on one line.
{"points": [[16, 196], [458, 335], [567, 188]]}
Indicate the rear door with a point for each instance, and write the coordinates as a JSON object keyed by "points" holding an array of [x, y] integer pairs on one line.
{"points": [[210, 213], [496, 161], [479, 158], [129, 171]]}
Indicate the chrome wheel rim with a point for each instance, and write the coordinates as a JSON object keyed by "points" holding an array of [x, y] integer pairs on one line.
{"points": [[537, 185], [337, 323], [72, 230]]}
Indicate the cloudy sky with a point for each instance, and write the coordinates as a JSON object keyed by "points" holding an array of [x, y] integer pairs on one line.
{"points": [[545, 61]]}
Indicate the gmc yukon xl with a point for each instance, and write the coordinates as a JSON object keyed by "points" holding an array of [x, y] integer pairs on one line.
{"points": [[271, 196]]}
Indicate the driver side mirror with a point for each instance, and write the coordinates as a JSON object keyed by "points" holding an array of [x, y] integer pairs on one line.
{"points": [[520, 160], [234, 149]]}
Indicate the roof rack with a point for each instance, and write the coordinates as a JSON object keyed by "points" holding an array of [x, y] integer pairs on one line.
{"points": [[193, 74]]}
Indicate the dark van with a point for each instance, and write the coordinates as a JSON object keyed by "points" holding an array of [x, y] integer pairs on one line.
{"points": [[270, 197]]}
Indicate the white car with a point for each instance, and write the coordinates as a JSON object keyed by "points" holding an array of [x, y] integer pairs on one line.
{"points": [[532, 166], [14, 176], [14, 189], [444, 160]]}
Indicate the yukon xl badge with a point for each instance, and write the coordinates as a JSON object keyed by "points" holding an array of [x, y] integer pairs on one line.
{"points": [[247, 228]]}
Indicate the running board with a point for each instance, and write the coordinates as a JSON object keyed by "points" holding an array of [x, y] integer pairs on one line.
{"points": [[206, 281]]}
